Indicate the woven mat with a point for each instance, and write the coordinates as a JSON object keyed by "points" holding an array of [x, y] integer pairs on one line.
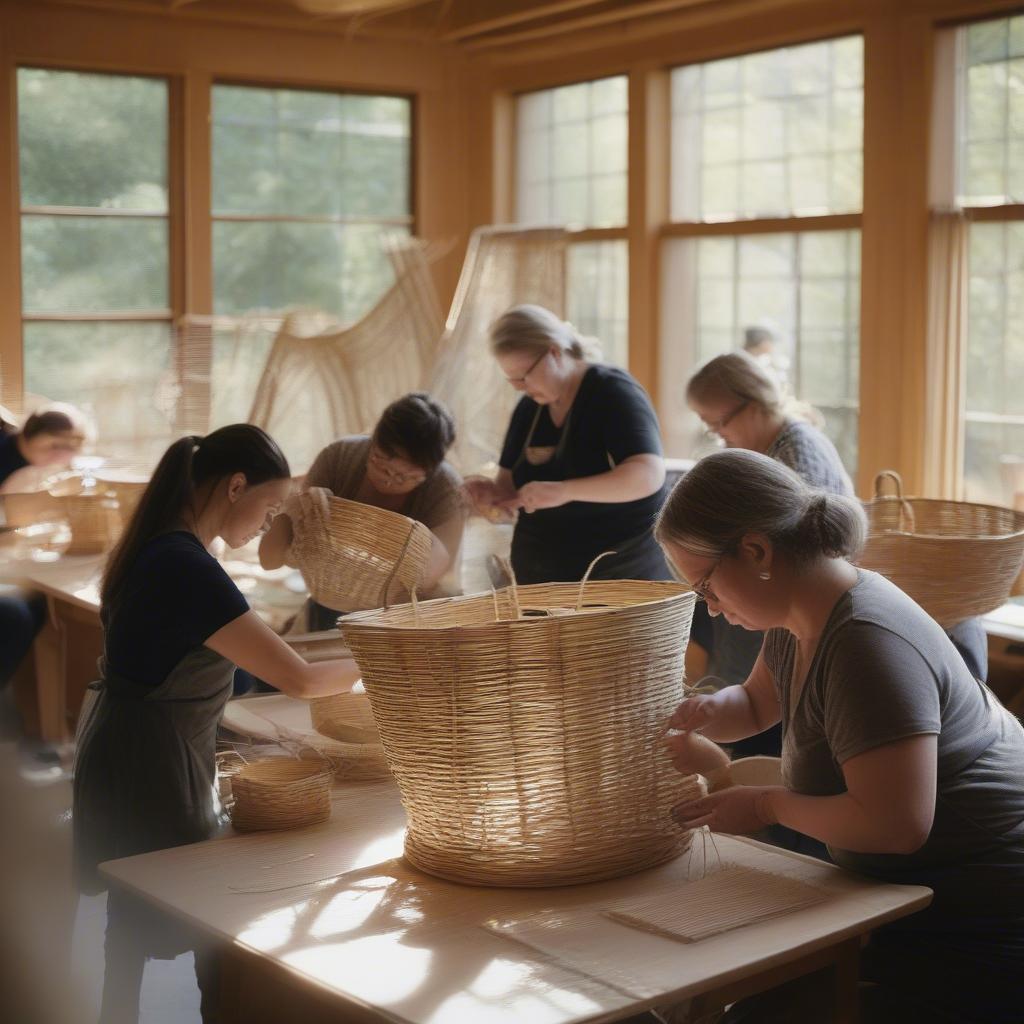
{"points": [[718, 903]]}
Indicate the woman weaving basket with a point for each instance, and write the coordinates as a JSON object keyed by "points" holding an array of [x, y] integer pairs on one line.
{"points": [[893, 753], [582, 458], [175, 627], [400, 467]]}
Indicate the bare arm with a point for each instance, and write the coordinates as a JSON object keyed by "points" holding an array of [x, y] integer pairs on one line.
{"points": [[447, 538], [275, 542], [889, 805], [734, 712], [251, 644], [634, 478], [486, 494]]}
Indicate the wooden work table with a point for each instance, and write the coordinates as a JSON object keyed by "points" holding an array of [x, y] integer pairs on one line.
{"points": [[330, 923], [71, 640]]}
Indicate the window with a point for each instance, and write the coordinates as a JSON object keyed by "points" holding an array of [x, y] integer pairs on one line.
{"points": [[571, 169], [990, 182], [304, 184], [760, 143], [94, 246], [773, 134]]}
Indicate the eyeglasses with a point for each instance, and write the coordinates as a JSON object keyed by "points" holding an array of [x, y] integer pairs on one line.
{"points": [[702, 588], [533, 366], [715, 427], [393, 476]]}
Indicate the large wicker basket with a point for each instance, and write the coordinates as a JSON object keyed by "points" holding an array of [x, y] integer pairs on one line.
{"points": [[956, 559], [355, 556], [525, 728]]}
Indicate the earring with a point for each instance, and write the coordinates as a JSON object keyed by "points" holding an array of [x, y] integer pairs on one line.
{"points": [[764, 575]]}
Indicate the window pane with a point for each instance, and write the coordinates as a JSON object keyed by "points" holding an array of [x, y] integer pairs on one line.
{"points": [[90, 264], [92, 140], [598, 296], [341, 269], [786, 124], [298, 153], [994, 435], [571, 154], [992, 122], [117, 373], [803, 288]]}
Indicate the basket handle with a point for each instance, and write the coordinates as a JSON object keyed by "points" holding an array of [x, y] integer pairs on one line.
{"points": [[513, 587], [907, 522], [386, 587], [586, 577]]}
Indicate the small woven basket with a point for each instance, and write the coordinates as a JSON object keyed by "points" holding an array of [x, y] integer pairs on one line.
{"points": [[345, 716], [956, 559], [128, 493], [94, 519], [281, 792], [355, 556], [525, 727]]}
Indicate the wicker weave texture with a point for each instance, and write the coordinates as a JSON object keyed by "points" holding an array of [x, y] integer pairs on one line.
{"points": [[94, 520], [529, 750], [345, 716], [355, 556], [281, 792], [956, 559]]}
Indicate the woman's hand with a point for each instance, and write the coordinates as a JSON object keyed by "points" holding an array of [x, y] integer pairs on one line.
{"points": [[540, 494], [694, 713], [736, 811], [693, 754]]}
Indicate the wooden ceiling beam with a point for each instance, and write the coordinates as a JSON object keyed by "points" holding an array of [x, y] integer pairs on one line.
{"points": [[477, 26]]}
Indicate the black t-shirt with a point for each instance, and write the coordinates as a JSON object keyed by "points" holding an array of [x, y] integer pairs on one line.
{"points": [[11, 458], [176, 595], [610, 420]]}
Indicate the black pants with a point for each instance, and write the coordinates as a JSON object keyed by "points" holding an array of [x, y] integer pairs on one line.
{"points": [[135, 933]]}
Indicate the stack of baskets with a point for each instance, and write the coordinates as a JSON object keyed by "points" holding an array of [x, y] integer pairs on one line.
{"points": [[956, 559], [355, 556], [280, 793], [525, 728]]}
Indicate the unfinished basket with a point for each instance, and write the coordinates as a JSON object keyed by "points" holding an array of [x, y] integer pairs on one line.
{"points": [[956, 559], [525, 728], [345, 716], [355, 556], [94, 520], [281, 792]]}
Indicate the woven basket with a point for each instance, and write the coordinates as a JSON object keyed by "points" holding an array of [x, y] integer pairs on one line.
{"points": [[525, 728], [956, 559], [345, 716], [126, 489], [281, 792], [355, 556], [94, 520]]}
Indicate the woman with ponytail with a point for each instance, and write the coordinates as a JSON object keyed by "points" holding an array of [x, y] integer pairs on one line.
{"points": [[175, 627], [893, 754], [582, 460]]}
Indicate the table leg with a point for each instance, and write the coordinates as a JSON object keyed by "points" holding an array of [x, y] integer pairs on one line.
{"points": [[49, 659]]}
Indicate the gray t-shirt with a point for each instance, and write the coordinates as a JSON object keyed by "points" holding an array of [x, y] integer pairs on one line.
{"points": [[883, 671]]}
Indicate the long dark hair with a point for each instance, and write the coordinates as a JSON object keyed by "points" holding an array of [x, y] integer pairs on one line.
{"points": [[186, 465]]}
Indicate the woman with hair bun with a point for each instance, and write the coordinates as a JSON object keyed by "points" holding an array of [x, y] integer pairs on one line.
{"points": [[582, 459], [893, 754], [175, 626], [400, 467]]}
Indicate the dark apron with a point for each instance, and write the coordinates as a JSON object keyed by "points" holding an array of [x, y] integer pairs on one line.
{"points": [[535, 559], [145, 770]]}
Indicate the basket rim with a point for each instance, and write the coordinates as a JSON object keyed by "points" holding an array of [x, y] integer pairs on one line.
{"points": [[364, 619], [892, 498]]}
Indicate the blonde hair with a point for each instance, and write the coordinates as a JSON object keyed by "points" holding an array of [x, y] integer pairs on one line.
{"points": [[735, 375], [533, 329], [735, 492]]}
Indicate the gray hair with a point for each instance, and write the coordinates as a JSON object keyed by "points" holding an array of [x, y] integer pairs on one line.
{"points": [[735, 376], [735, 492], [529, 328]]}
